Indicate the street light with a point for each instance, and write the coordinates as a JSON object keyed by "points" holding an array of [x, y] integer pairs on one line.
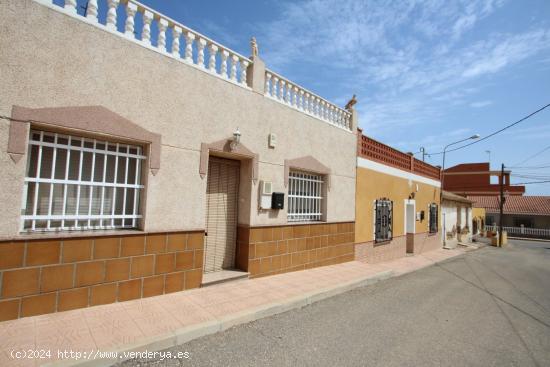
{"points": [[473, 137]]}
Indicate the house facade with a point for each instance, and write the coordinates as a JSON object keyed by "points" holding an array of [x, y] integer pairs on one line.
{"points": [[523, 216], [397, 203], [140, 156], [478, 179], [457, 219]]}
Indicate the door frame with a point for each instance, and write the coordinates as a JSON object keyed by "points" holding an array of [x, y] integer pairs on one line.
{"points": [[224, 149], [236, 163], [413, 203]]}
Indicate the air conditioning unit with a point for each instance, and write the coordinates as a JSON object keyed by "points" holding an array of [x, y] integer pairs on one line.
{"points": [[266, 188]]}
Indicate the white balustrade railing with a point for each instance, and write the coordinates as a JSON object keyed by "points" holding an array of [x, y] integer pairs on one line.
{"points": [[534, 232], [170, 37], [284, 91], [139, 23]]}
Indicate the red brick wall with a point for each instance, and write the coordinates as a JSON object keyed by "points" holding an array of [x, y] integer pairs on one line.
{"points": [[274, 250], [38, 277]]}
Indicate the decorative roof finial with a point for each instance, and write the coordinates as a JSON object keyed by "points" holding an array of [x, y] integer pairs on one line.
{"points": [[254, 46], [351, 103]]}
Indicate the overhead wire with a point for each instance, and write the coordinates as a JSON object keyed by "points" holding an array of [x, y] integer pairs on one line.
{"points": [[496, 132]]}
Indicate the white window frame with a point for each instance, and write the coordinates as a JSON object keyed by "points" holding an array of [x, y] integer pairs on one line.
{"points": [[305, 196], [106, 220]]}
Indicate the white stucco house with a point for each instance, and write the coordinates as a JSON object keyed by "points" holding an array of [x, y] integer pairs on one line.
{"points": [[456, 219]]}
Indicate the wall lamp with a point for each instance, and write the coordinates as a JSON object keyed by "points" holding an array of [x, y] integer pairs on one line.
{"points": [[236, 139]]}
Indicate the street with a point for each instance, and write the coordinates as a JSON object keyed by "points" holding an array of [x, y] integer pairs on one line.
{"points": [[489, 307]]}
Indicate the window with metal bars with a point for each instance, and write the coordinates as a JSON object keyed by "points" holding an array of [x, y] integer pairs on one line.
{"points": [[305, 197], [76, 183], [383, 220], [433, 218]]}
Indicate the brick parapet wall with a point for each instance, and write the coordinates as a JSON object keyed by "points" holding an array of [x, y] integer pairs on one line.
{"points": [[38, 277], [281, 249], [374, 150]]}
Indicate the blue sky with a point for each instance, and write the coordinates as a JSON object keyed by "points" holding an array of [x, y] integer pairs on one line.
{"points": [[426, 73]]}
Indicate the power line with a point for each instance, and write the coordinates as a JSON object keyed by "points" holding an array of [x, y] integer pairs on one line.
{"points": [[530, 183], [530, 167], [533, 156], [496, 132]]}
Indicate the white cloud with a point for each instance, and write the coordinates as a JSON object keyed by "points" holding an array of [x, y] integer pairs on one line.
{"points": [[480, 104], [408, 62], [497, 55]]}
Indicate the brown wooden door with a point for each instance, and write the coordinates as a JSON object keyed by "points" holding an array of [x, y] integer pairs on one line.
{"points": [[222, 191]]}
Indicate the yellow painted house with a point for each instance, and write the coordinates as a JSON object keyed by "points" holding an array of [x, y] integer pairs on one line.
{"points": [[397, 203]]}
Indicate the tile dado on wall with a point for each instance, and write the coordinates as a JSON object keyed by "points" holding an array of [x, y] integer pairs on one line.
{"points": [[375, 253], [273, 250], [396, 248], [425, 241], [45, 276]]}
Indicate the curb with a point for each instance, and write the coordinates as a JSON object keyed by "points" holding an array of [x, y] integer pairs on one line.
{"points": [[191, 332]]}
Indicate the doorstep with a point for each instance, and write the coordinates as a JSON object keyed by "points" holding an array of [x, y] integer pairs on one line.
{"points": [[225, 275], [156, 323]]}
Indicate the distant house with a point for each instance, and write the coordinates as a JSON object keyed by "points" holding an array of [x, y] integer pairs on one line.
{"points": [[456, 219], [523, 216], [478, 179], [519, 211]]}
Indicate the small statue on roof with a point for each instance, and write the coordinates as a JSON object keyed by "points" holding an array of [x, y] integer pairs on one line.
{"points": [[351, 103], [254, 46]]}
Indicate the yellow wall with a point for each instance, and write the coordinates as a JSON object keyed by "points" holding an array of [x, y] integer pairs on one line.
{"points": [[478, 213], [373, 185]]}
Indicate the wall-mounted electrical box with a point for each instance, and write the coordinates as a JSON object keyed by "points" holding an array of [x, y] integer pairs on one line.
{"points": [[278, 200], [272, 140], [266, 190]]}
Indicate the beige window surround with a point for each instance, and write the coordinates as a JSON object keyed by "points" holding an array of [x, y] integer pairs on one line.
{"points": [[84, 119], [308, 164], [222, 148]]}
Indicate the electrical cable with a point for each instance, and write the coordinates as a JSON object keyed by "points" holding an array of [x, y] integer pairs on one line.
{"points": [[530, 183], [531, 157], [496, 132]]}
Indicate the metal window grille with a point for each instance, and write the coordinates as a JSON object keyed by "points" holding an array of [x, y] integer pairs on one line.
{"points": [[75, 183], [383, 214], [433, 217], [305, 197]]}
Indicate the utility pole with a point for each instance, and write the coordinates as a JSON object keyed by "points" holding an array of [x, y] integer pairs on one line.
{"points": [[423, 150], [501, 206]]}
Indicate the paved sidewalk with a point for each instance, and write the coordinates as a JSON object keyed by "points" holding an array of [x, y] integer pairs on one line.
{"points": [[160, 322]]}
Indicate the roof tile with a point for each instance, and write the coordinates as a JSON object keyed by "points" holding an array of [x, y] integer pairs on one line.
{"points": [[515, 204]]}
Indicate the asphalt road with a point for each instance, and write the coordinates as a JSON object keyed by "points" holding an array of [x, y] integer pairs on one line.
{"points": [[490, 307]]}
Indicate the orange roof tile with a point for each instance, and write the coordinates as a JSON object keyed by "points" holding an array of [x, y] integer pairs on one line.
{"points": [[515, 204]]}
